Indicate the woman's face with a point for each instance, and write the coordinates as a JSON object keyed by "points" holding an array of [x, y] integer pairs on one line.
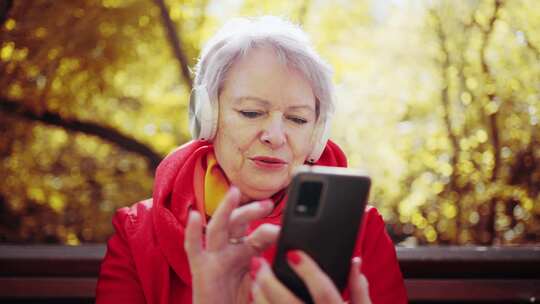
{"points": [[266, 121]]}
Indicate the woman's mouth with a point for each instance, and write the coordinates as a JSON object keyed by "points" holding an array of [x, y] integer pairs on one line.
{"points": [[268, 162]]}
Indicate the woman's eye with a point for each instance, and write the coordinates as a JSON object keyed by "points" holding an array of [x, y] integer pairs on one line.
{"points": [[250, 114], [298, 120]]}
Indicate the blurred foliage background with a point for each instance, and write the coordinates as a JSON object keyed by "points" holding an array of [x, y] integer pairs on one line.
{"points": [[438, 100]]}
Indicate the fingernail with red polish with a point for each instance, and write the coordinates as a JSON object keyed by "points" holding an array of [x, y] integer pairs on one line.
{"points": [[293, 257], [255, 266], [250, 300]]}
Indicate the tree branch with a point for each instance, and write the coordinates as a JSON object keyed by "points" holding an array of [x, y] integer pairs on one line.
{"points": [[492, 118], [106, 133], [447, 116], [445, 99], [491, 121], [174, 41]]}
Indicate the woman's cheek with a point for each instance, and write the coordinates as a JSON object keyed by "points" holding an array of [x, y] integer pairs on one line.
{"points": [[304, 147], [239, 143]]}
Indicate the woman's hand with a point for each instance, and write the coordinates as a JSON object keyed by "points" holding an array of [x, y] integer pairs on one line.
{"points": [[219, 260], [266, 288]]}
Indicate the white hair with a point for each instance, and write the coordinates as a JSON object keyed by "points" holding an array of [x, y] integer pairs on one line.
{"points": [[292, 47]]}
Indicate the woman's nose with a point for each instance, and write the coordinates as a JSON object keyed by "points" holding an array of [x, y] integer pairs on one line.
{"points": [[273, 133]]}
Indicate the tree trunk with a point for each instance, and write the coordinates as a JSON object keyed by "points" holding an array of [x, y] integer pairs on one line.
{"points": [[174, 41]]}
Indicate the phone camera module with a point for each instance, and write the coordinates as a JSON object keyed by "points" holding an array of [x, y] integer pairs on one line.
{"points": [[309, 199]]}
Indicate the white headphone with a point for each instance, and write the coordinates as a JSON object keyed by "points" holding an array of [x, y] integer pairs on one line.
{"points": [[203, 121]]}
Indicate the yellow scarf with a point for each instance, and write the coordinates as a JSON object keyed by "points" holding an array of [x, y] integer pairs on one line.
{"points": [[215, 185]]}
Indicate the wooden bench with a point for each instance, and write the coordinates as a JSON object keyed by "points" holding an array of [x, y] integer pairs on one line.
{"points": [[64, 274]]}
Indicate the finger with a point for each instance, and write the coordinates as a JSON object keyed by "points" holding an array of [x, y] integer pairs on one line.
{"points": [[266, 286], [263, 237], [238, 231], [193, 237], [217, 232], [358, 284], [243, 215], [321, 288], [257, 295]]}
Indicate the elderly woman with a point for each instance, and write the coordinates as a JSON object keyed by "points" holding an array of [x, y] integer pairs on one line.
{"points": [[260, 107]]}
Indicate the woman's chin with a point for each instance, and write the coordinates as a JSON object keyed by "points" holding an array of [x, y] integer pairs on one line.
{"points": [[259, 185], [256, 192]]}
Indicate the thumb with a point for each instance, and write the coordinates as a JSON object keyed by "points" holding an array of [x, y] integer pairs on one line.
{"points": [[358, 284]]}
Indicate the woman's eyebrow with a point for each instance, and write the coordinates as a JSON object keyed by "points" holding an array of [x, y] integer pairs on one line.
{"points": [[302, 107], [265, 102], [253, 98]]}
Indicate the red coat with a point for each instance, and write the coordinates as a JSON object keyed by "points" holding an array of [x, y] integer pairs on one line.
{"points": [[146, 262]]}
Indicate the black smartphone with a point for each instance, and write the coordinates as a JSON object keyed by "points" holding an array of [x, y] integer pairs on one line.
{"points": [[323, 214]]}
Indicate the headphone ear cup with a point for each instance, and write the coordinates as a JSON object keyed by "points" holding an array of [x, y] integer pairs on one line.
{"points": [[202, 114], [194, 120], [321, 134]]}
